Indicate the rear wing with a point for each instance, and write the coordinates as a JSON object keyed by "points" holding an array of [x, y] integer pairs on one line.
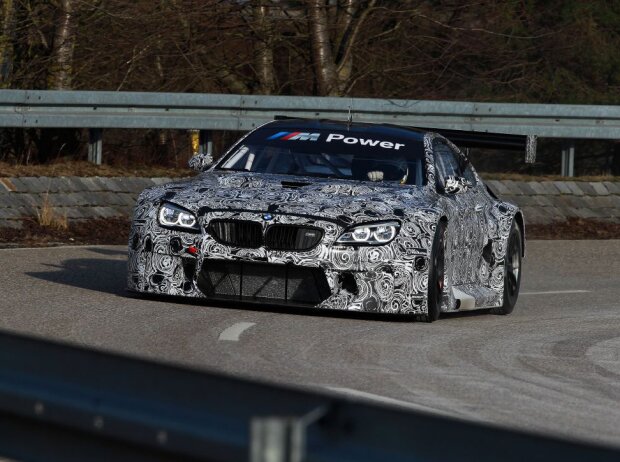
{"points": [[465, 139]]}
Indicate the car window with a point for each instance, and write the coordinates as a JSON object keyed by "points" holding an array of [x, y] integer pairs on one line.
{"points": [[469, 174], [446, 162], [352, 155], [466, 167]]}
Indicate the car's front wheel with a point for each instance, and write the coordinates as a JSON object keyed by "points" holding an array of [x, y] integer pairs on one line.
{"points": [[512, 271], [436, 273]]}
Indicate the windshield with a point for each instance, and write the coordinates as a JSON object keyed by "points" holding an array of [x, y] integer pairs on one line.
{"points": [[350, 155]]}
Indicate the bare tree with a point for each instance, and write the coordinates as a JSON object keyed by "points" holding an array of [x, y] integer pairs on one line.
{"points": [[497, 50], [60, 74], [324, 65], [6, 41], [263, 50], [333, 58]]}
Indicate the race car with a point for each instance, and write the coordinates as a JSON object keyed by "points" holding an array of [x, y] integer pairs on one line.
{"points": [[335, 216]]}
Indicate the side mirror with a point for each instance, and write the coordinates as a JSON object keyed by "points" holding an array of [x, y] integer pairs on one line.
{"points": [[201, 162], [456, 185]]}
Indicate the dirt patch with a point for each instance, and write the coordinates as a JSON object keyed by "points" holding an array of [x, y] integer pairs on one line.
{"points": [[116, 231], [79, 232], [574, 228], [520, 177], [81, 168]]}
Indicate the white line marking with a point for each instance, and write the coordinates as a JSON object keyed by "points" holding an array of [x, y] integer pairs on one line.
{"points": [[233, 332], [552, 292], [382, 399]]}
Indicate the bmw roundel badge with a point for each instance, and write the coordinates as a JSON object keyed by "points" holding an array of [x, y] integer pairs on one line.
{"points": [[267, 217]]}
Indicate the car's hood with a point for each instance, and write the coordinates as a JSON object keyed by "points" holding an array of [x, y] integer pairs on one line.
{"points": [[349, 201]]}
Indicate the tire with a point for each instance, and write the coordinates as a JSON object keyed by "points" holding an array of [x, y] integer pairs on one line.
{"points": [[512, 271], [436, 274]]}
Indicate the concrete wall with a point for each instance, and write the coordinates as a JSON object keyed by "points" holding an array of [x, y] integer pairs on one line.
{"points": [[95, 197], [75, 197], [544, 202]]}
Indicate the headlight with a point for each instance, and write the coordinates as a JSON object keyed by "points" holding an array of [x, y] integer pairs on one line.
{"points": [[370, 234], [172, 216]]}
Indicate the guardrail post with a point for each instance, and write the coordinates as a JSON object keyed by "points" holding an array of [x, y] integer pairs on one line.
{"points": [[277, 439], [205, 142], [531, 143], [568, 159], [281, 439], [95, 145]]}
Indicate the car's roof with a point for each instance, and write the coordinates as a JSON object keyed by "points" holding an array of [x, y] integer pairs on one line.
{"points": [[378, 129]]}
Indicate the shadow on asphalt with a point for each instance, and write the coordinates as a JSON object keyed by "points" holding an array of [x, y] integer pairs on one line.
{"points": [[298, 310], [97, 274], [109, 276]]}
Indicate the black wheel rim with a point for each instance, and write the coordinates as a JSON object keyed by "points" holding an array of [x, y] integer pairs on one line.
{"points": [[513, 267]]}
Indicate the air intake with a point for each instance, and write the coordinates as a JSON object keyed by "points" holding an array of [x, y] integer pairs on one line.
{"points": [[263, 282], [237, 233], [292, 237]]}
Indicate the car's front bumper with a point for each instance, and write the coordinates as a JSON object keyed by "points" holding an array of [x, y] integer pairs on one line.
{"points": [[386, 279]]}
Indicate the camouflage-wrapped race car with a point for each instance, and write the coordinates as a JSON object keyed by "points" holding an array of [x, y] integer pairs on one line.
{"points": [[332, 215]]}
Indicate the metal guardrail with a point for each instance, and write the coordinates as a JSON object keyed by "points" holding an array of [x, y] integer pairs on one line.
{"points": [[63, 403], [103, 109]]}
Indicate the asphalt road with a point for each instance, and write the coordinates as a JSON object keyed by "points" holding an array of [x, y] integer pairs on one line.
{"points": [[553, 366]]}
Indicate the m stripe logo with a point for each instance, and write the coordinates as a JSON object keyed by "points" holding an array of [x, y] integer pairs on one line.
{"points": [[299, 136]]}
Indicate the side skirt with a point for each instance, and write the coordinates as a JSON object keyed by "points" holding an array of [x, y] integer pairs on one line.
{"points": [[471, 297]]}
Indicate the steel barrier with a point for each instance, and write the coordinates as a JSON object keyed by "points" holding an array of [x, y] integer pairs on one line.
{"points": [[65, 403], [103, 109]]}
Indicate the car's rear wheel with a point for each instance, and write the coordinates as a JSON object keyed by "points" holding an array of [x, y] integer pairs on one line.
{"points": [[436, 273], [512, 271]]}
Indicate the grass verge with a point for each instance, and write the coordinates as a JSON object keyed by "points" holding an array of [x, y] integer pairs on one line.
{"points": [[82, 168], [574, 228], [520, 177], [78, 232]]}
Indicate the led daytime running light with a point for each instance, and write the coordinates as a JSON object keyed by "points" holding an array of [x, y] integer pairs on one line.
{"points": [[370, 234], [176, 217]]}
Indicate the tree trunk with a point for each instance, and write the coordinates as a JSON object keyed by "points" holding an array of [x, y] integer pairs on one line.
{"points": [[264, 49], [355, 14], [230, 80], [61, 69], [334, 66], [323, 58], [6, 42]]}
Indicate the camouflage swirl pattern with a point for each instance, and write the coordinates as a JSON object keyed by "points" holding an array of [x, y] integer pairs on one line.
{"points": [[390, 278]]}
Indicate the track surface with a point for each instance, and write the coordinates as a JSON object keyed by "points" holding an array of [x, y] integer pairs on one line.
{"points": [[553, 366]]}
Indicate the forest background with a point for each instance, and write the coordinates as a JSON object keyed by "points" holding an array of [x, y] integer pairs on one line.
{"points": [[525, 51]]}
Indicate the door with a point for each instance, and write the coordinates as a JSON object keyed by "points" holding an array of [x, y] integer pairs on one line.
{"points": [[482, 246], [464, 224]]}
